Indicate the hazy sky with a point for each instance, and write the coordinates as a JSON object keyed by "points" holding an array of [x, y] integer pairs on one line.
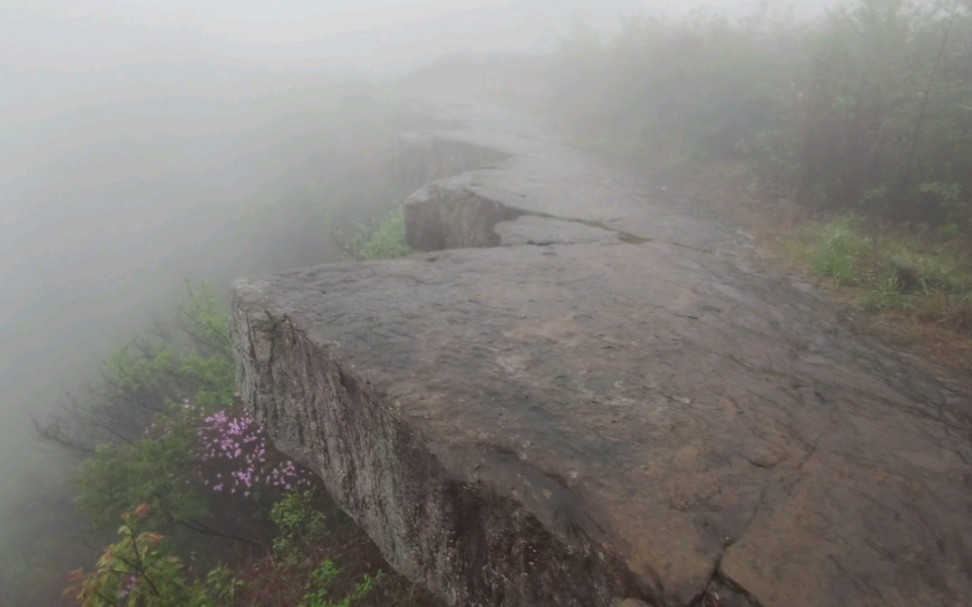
{"points": [[98, 33], [94, 34]]}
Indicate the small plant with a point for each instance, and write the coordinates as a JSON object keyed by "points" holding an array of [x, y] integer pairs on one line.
{"points": [[886, 295], [322, 581], [838, 250], [386, 241], [300, 525], [137, 571]]}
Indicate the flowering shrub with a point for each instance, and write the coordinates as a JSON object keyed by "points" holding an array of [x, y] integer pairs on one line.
{"points": [[203, 466], [196, 468], [235, 457]]}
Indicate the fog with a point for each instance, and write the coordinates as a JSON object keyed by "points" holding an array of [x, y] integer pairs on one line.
{"points": [[145, 143]]}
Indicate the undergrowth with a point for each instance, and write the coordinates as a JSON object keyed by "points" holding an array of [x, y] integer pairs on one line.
{"points": [[386, 240], [905, 271], [213, 515]]}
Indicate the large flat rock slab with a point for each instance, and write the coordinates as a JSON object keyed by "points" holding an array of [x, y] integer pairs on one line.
{"points": [[608, 402]]}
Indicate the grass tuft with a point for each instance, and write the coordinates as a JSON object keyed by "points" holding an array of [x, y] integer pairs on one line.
{"points": [[900, 271]]}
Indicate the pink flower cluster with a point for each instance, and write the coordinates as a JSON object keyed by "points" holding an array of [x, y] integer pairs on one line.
{"points": [[237, 459]]}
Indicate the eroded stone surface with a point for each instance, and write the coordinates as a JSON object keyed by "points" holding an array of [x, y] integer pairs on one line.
{"points": [[626, 411]]}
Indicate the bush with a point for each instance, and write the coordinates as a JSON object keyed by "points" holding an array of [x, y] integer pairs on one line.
{"points": [[159, 470], [300, 524], [384, 241], [191, 358], [319, 590], [138, 571], [202, 472]]}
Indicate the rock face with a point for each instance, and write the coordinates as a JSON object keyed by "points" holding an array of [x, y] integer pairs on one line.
{"points": [[609, 402]]}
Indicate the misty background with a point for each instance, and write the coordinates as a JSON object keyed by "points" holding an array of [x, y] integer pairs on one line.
{"points": [[143, 144]]}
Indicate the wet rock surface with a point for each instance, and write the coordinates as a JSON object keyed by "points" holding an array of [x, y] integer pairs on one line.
{"points": [[608, 401]]}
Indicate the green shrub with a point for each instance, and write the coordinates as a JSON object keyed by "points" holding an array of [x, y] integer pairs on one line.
{"points": [[191, 358], [300, 524], [384, 241], [159, 470], [320, 589], [137, 570]]}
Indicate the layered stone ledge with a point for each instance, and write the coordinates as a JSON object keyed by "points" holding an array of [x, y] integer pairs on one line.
{"points": [[606, 402]]}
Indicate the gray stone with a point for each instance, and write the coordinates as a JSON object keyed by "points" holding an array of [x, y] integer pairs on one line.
{"points": [[627, 411]]}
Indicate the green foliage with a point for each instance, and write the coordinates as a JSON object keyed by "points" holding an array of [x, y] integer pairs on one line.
{"points": [[201, 467], [895, 270], [385, 241], [159, 470], [221, 586], [130, 370], [839, 249], [208, 364], [323, 579], [198, 359], [193, 360], [300, 524], [213, 377], [158, 464], [159, 461], [138, 571], [142, 445]]}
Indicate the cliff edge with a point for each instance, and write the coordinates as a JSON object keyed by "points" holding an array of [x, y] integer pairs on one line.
{"points": [[585, 391]]}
